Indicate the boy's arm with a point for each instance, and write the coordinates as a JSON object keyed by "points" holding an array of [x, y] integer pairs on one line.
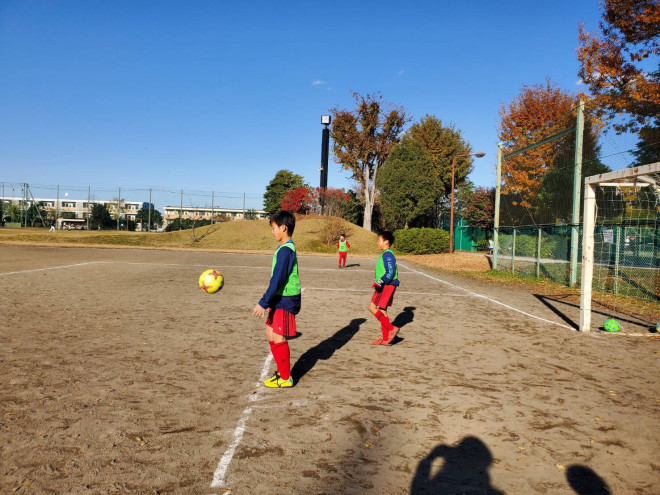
{"points": [[348, 245], [280, 274]]}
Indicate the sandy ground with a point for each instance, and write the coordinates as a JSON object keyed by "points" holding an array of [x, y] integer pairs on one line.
{"points": [[119, 375]]}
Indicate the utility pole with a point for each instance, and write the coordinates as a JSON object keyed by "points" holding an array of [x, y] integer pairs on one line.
{"points": [[118, 200], [243, 206], [2, 205], [149, 221], [212, 207], [181, 210], [89, 207], [57, 207]]}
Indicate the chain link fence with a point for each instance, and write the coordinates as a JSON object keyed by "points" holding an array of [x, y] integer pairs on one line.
{"points": [[626, 256]]}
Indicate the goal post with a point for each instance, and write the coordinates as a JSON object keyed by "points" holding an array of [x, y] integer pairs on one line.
{"points": [[630, 202]]}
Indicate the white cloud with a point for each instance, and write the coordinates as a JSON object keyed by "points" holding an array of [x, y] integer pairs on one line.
{"points": [[318, 82], [400, 73]]}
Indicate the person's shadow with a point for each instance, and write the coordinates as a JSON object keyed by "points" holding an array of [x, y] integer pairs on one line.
{"points": [[465, 470], [586, 482], [402, 319], [325, 349]]}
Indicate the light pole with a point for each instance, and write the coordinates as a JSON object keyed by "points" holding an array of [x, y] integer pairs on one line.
{"points": [[478, 154], [325, 145]]}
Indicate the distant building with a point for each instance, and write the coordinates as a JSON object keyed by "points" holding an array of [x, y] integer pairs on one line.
{"points": [[193, 212], [80, 208]]}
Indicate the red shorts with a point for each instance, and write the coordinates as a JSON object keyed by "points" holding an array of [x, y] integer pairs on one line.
{"points": [[282, 322], [384, 298]]}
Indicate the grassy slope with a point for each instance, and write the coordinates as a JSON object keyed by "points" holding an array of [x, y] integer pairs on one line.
{"points": [[245, 235]]}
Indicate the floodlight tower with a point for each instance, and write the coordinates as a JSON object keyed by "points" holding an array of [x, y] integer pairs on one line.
{"points": [[325, 145]]}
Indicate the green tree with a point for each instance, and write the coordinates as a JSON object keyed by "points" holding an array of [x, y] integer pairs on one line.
{"points": [[35, 214], [407, 186], [648, 145], [100, 217], [442, 143], [251, 215], [284, 181], [354, 211], [142, 216], [362, 140], [479, 208]]}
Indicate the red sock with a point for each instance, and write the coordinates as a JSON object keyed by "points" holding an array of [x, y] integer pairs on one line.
{"points": [[282, 354], [385, 323]]}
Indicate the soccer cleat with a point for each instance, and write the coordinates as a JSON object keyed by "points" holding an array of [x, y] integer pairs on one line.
{"points": [[278, 382], [377, 342], [386, 342], [272, 379], [393, 333]]}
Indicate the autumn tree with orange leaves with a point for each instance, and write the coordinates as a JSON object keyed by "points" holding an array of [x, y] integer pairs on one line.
{"points": [[362, 140], [538, 112], [613, 60]]}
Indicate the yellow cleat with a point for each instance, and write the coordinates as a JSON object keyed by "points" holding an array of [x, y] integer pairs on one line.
{"points": [[276, 381]]}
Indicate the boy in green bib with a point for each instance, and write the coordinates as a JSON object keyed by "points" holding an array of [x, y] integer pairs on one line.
{"points": [[282, 298], [387, 280], [343, 246]]}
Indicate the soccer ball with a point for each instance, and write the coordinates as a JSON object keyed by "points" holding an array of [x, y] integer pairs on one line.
{"points": [[611, 325], [211, 281]]}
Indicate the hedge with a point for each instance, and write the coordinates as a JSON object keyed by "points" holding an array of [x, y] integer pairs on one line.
{"points": [[421, 241]]}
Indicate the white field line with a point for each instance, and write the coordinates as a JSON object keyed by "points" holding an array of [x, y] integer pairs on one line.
{"points": [[221, 471], [155, 263], [398, 292], [475, 294], [48, 268]]}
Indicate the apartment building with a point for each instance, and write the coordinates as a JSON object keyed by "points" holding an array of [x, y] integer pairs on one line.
{"points": [[79, 207], [201, 213]]}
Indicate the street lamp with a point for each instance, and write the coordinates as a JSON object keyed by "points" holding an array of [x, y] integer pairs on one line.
{"points": [[325, 145], [478, 154]]}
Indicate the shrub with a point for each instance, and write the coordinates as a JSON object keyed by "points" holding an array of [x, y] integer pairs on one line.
{"points": [[482, 245], [333, 227], [422, 241]]}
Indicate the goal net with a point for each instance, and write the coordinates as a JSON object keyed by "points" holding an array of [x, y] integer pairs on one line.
{"points": [[621, 243]]}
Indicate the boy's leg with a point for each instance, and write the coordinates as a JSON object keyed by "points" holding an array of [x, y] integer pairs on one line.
{"points": [[385, 330], [279, 346]]}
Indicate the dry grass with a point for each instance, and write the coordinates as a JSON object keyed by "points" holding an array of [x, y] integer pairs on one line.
{"points": [[239, 235]]}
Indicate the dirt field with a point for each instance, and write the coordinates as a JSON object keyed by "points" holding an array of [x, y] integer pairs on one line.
{"points": [[119, 375]]}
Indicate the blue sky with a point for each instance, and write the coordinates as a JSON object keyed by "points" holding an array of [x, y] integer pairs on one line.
{"points": [[219, 95]]}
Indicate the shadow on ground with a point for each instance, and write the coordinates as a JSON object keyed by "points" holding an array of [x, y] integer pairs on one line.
{"points": [[464, 471], [402, 319], [553, 304], [585, 482], [325, 349]]}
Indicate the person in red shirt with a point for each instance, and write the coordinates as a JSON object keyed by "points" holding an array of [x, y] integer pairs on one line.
{"points": [[343, 246]]}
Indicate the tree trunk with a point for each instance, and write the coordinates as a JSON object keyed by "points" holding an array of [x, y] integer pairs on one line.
{"points": [[368, 203]]}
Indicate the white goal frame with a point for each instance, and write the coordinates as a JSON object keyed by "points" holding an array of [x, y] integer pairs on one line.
{"points": [[636, 176]]}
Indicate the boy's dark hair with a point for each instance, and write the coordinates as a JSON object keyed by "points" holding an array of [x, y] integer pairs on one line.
{"points": [[283, 217], [387, 236], [342, 235]]}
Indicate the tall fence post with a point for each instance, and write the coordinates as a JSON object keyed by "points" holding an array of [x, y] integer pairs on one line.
{"points": [[538, 254], [617, 258], [577, 183], [496, 219], [212, 207], [513, 252]]}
